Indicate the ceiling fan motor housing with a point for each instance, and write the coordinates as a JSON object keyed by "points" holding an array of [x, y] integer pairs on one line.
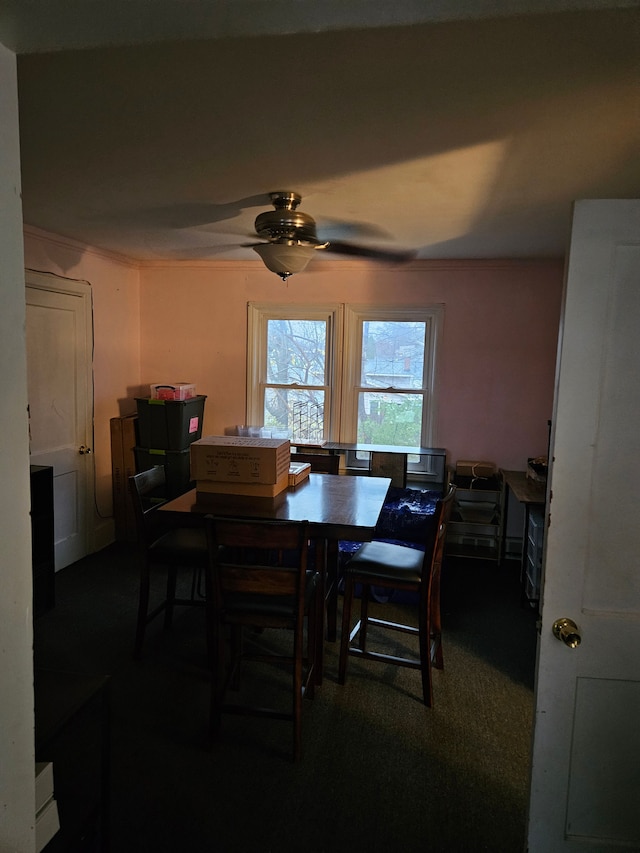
{"points": [[285, 222]]}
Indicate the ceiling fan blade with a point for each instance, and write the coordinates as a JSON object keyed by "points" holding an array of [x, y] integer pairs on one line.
{"points": [[341, 229], [387, 256], [186, 214]]}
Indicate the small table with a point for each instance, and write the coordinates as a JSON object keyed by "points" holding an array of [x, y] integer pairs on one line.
{"points": [[336, 507]]}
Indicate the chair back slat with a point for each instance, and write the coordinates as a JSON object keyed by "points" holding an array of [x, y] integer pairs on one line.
{"points": [[257, 579], [257, 557]]}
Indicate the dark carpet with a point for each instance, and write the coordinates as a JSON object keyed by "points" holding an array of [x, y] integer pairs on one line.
{"points": [[380, 772]]}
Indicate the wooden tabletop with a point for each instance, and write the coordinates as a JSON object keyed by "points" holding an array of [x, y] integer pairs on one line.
{"points": [[525, 490], [337, 507]]}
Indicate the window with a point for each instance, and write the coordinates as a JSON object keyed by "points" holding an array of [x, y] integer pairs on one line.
{"points": [[292, 383], [344, 373]]}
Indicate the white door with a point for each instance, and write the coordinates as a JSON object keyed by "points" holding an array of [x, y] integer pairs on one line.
{"points": [[585, 792], [59, 370]]}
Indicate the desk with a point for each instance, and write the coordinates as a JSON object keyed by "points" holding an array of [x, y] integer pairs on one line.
{"points": [[531, 494], [437, 455], [335, 507]]}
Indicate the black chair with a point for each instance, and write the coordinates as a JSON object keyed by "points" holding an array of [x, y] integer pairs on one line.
{"points": [[399, 567], [321, 463], [258, 578], [162, 547]]}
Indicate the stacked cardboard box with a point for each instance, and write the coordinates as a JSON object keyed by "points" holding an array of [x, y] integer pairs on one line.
{"points": [[239, 465]]}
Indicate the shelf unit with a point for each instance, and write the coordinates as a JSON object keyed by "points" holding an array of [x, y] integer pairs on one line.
{"points": [[532, 495], [475, 528]]}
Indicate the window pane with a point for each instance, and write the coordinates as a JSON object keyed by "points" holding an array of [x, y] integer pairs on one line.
{"points": [[300, 412], [394, 419], [392, 354], [296, 352]]}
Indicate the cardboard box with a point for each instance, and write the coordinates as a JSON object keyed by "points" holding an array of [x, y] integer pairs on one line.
{"points": [[240, 459], [298, 472], [256, 490], [466, 468]]}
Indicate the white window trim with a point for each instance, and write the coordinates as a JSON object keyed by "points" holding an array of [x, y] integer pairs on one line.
{"points": [[258, 316], [343, 358], [355, 315]]}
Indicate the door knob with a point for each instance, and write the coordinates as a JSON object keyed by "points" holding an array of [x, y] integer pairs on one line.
{"points": [[82, 450], [567, 631]]}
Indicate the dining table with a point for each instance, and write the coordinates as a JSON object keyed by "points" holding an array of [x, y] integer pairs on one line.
{"points": [[342, 507]]}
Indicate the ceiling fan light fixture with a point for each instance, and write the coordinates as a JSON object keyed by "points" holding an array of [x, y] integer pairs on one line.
{"points": [[286, 258]]}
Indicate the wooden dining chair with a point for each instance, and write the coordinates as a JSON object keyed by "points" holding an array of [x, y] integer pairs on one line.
{"points": [[399, 567], [162, 547], [258, 578]]}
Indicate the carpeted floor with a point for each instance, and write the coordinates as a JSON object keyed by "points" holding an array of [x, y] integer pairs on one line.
{"points": [[380, 772]]}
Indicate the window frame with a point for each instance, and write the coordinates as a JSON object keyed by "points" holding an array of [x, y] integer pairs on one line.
{"points": [[258, 318], [355, 316], [343, 367]]}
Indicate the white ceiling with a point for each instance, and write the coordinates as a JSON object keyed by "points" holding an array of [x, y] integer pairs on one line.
{"points": [[398, 125]]}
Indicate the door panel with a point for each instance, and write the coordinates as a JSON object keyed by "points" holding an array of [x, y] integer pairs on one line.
{"points": [[601, 803], [58, 324], [585, 785]]}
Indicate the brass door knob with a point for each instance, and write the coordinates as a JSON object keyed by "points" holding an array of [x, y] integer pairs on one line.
{"points": [[567, 631], [83, 450]]}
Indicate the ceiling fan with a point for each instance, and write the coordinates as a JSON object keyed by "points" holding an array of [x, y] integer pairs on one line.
{"points": [[291, 239]]}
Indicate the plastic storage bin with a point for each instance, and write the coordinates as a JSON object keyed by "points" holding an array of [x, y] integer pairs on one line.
{"points": [[169, 424], [176, 468]]}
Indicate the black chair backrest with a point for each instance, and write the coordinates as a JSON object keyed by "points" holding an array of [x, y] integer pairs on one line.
{"points": [[148, 492], [321, 463]]}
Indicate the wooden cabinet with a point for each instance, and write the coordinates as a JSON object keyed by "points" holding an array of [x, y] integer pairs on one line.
{"points": [[42, 541], [475, 528]]}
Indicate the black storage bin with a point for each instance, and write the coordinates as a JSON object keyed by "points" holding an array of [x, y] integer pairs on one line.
{"points": [[176, 466], [170, 424]]}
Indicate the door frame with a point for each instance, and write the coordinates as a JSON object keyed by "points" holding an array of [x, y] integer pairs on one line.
{"points": [[54, 283]]}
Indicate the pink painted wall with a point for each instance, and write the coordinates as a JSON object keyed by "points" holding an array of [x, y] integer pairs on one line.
{"points": [[187, 322], [497, 359]]}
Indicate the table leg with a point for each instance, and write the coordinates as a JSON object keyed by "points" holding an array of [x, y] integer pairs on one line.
{"points": [[331, 591], [321, 566]]}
